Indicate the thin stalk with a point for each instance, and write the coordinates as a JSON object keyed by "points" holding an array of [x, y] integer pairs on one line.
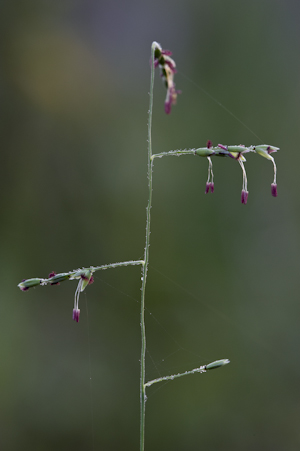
{"points": [[146, 260], [116, 265], [173, 153], [202, 369]]}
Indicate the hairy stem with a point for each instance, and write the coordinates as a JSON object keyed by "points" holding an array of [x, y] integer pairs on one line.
{"points": [[202, 369], [146, 260], [173, 153], [116, 265]]}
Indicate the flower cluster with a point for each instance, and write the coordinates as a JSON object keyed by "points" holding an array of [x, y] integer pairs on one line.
{"points": [[162, 58], [85, 277], [237, 153]]}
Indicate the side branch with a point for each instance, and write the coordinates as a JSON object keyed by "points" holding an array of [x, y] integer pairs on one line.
{"points": [[82, 273], [234, 152], [172, 153], [174, 376], [201, 369], [116, 265]]}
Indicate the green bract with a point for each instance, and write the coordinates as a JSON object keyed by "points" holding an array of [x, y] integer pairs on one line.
{"points": [[204, 152], [29, 283], [86, 277], [217, 364], [59, 278], [267, 148]]}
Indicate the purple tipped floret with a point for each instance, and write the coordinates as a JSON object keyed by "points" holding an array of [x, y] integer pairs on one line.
{"points": [[76, 314], [209, 144], [274, 189], [222, 147], [212, 187], [24, 288], [52, 274], [91, 279]]}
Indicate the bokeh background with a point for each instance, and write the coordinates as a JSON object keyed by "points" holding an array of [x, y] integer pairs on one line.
{"points": [[223, 277]]}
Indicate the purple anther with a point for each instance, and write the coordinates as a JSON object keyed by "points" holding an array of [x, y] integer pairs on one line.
{"points": [[207, 187], [244, 196], [76, 314], [274, 189]]}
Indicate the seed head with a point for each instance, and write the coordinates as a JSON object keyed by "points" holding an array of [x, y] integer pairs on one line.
{"points": [[167, 65]]}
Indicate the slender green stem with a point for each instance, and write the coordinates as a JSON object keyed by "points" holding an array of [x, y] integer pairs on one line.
{"points": [[202, 369], [146, 260], [173, 153], [116, 265]]}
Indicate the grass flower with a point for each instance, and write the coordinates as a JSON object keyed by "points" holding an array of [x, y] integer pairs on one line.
{"points": [[85, 278], [55, 279], [244, 195], [265, 150], [210, 179], [167, 65], [29, 283]]}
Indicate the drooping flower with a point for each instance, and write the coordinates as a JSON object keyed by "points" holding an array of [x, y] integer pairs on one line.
{"points": [[265, 150], [167, 65], [237, 153], [244, 195], [210, 180], [85, 278], [207, 152]]}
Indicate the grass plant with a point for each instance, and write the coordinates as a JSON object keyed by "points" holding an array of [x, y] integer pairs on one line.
{"points": [[162, 59]]}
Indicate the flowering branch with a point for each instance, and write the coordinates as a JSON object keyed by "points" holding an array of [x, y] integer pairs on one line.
{"points": [[84, 275], [234, 152]]}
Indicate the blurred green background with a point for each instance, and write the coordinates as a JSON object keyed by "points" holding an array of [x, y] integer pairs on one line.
{"points": [[223, 278]]}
